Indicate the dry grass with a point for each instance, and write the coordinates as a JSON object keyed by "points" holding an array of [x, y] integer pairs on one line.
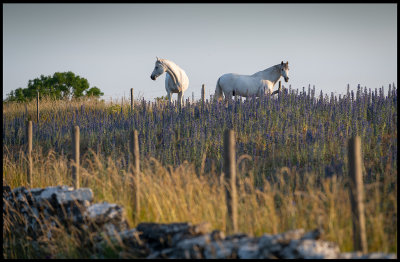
{"points": [[182, 195], [188, 194]]}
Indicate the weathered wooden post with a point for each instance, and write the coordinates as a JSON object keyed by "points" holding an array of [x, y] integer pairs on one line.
{"points": [[37, 107], [230, 180], [136, 168], [75, 153], [203, 92], [98, 150], [122, 105], [357, 194], [131, 99], [29, 152]]}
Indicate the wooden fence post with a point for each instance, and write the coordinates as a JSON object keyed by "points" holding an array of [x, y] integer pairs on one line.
{"points": [[203, 92], [131, 99], [29, 152], [136, 168], [122, 105], [230, 180], [37, 107], [357, 194], [75, 148]]}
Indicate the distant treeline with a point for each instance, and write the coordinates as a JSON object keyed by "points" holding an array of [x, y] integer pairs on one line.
{"points": [[64, 85]]}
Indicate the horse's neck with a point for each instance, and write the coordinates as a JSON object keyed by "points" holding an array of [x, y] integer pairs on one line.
{"points": [[272, 74], [172, 69]]}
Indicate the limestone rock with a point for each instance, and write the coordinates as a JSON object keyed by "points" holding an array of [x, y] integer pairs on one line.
{"points": [[38, 212]]}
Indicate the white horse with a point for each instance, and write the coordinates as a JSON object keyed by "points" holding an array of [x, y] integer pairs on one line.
{"points": [[176, 80], [256, 84]]}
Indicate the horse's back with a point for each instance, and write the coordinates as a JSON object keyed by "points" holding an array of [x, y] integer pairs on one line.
{"points": [[229, 79], [237, 82], [229, 76]]}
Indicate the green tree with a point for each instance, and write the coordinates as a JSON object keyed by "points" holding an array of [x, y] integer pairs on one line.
{"points": [[64, 85], [94, 92], [17, 95]]}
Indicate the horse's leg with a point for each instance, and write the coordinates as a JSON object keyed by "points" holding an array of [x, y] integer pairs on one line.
{"points": [[168, 84], [180, 95], [261, 92], [228, 96], [169, 97]]}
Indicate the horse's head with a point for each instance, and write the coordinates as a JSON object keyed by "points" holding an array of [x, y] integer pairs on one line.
{"points": [[159, 69], [284, 67]]}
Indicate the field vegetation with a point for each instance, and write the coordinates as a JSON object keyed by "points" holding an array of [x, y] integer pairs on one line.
{"points": [[291, 153]]}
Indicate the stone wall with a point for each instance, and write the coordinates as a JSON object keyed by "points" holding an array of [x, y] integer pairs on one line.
{"points": [[38, 212]]}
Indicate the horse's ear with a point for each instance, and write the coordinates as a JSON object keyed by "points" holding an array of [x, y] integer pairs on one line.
{"points": [[282, 63], [287, 62], [157, 58]]}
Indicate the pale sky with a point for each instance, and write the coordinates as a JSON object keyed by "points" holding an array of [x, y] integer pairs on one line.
{"points": [[114, 46]]}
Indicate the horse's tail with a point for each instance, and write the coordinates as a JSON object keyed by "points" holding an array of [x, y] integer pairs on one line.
{"points": [[218, 91]]}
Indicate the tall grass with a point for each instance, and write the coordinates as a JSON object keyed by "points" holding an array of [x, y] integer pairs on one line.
{"points": [[180, 195], [291, 151], [315, 129]]}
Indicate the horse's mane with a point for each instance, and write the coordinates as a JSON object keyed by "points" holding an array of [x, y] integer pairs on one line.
{"points": [[175, 69], [271, 68], [167, 62]]}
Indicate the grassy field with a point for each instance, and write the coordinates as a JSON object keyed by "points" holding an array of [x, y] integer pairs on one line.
{"points": [[291, 160]]}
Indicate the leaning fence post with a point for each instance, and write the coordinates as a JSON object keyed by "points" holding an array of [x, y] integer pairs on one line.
{"points": [[122, 105], [202, 93], [37, 107], [131, 99], [29, 152], [230, 180], [357, 194], [136, 168], [75, 148]]}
